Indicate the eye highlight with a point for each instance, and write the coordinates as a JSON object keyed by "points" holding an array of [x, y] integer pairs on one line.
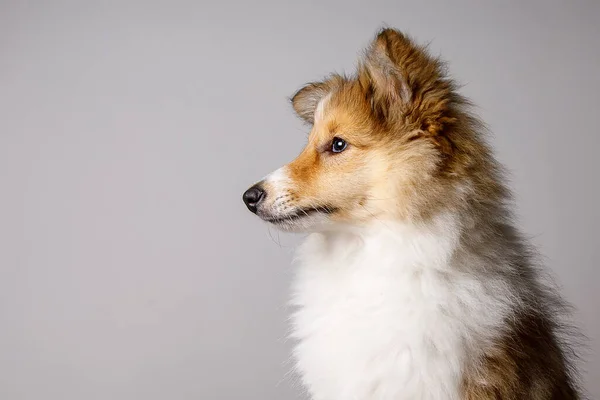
{"points": [[338, 145]]}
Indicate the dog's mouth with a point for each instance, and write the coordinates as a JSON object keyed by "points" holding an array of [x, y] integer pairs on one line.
{"points": [[298, 214]]}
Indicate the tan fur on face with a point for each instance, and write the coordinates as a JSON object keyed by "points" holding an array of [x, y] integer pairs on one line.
{"points": [[410, 151], [339, 180]]}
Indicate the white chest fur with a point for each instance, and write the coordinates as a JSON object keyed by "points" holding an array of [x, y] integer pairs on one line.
{"points": [[384, 315]]}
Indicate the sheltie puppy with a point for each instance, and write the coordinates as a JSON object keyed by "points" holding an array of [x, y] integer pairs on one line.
{"points": [[413, 282]]}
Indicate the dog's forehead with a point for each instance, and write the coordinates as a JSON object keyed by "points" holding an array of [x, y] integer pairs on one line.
{"points": [[347, 121]]}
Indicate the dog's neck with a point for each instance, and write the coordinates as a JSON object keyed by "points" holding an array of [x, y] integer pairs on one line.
{"points": [[430, 244]]}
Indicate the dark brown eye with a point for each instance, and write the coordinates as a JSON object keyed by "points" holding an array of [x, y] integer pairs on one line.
{"points": [[338, 145]]}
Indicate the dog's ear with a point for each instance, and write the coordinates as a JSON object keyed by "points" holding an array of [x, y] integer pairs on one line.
{"points": [[306, 100], [382, 63], [384, 66], [402, 79]]}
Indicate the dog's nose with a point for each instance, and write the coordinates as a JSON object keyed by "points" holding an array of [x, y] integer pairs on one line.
{"points": [[252, 197]]}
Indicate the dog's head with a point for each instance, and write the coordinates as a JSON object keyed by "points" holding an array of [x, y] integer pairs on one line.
{"points": [[384, 144]]}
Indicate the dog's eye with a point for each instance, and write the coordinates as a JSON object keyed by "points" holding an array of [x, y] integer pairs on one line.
{"points": [[338, 145]]}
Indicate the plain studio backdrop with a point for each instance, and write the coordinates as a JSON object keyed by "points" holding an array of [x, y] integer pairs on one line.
{"points": [[129, 266]]}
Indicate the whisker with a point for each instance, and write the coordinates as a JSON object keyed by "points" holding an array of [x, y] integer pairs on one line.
{"points": [[379, 220], [277, 242]]}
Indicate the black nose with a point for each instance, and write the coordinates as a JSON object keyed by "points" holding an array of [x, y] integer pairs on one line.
{"points": [[252, 197]]}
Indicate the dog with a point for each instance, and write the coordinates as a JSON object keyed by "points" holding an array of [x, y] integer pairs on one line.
{"points": [[413, 282]]}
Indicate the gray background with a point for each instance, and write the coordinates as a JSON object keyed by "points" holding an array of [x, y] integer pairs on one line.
{"points": [[129, 267]]}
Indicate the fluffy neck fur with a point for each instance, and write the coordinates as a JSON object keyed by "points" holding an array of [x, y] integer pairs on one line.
{"points": [[392, 311], [405, 311]]}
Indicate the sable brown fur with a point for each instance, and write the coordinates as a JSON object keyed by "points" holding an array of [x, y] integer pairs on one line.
{"points": [[402, 99]]}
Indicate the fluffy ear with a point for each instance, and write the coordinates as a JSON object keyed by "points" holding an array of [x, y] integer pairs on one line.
{"points": [[306, 100], [403, 79], [383, 65]]}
